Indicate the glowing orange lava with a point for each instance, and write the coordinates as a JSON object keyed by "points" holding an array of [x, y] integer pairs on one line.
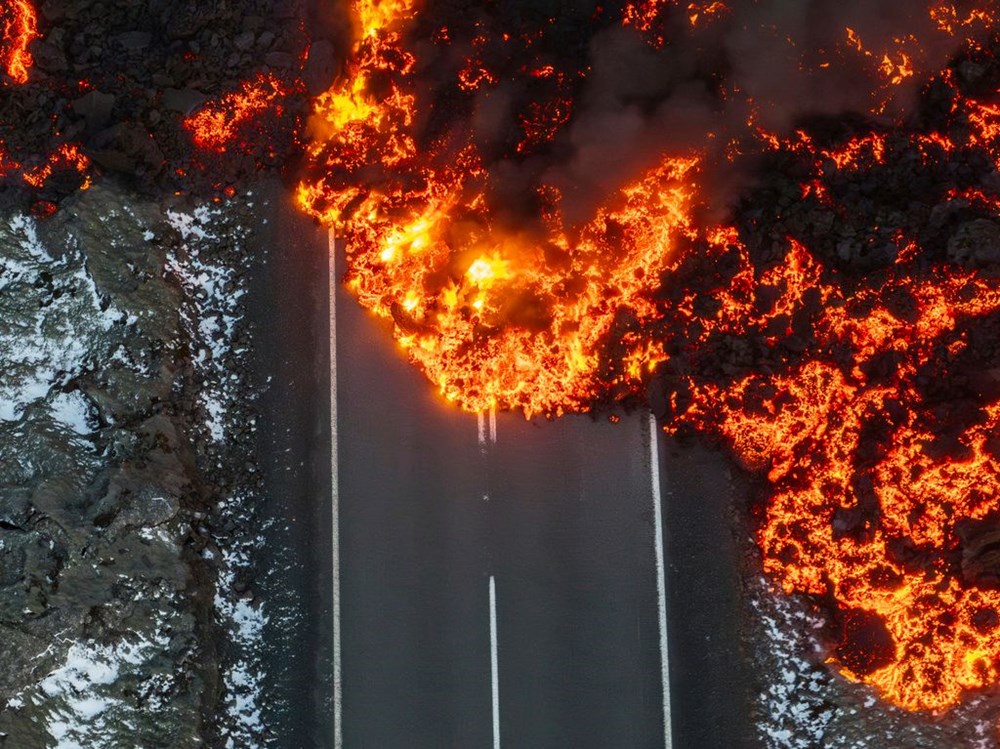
{"points": [[495, 316], [218, 124], [881, 465], [19, 24], [844, 504]]}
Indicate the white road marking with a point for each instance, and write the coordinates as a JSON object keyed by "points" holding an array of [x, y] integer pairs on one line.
{"points": [[494, 666], [493, 425], [338, 682], [661, 586], [483, 448]]}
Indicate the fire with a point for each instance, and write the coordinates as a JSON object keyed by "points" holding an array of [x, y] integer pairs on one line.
{"points": [[19, 22], [220, 122]]}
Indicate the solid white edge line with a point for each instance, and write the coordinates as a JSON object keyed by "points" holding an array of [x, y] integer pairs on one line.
{"points": [[493, 425], [494, 665], [338, 682], [481, 424], [661, 586]]}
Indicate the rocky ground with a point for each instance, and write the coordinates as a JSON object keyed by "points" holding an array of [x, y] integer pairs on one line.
{"points": [[128, 496], [126, 512]]}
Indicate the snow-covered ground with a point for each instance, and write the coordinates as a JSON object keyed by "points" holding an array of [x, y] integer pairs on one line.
{"points": [[42, 346], [59, 329]]}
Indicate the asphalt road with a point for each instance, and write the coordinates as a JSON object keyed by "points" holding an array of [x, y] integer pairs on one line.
{"points": [[709, 681], [494, 582], [433, 503]]}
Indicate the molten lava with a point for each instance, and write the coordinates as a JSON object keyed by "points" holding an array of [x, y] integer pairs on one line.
{"points": [[868, 404], [496, 317], [223, 122], [866, 492], [19, 24]]}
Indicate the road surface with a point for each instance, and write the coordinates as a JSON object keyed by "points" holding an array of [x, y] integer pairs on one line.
{"points": [[488, 581], [288, 304], [498, 578]]}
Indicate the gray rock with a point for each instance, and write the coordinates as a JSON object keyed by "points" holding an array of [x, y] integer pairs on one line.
{"points": [[320, 68], [975, 243], [134, 40], [96, 107]]}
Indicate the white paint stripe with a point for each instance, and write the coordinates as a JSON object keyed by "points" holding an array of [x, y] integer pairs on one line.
{"points": [[481, 423], [493, 425], [338, 682], [661, 586], [494, 665]]}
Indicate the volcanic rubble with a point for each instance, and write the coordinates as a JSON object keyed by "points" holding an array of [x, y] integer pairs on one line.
{"points": [[119, 79]]}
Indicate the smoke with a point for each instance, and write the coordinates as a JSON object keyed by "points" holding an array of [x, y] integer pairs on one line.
{"points": [[710, 86]]}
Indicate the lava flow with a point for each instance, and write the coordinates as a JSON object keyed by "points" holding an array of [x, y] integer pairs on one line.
{"points": [[851, 371], [497, 316], [20, 27], [869, 403]]}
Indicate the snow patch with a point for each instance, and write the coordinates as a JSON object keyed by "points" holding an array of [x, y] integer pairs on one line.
{"points": [[72, 410]]}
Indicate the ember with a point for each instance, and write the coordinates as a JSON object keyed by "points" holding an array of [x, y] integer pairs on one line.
{"points": [[221, 122]]}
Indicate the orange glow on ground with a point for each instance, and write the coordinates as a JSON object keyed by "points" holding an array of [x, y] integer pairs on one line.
{"points": [[66, 157]]}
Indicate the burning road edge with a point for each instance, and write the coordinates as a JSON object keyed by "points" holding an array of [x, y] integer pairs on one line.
{"points": [[779, 229]]}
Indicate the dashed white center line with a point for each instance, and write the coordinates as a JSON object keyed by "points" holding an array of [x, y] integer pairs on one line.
{"points": [[494, 665], [487, 426], [661, 586], [338, 731]]}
